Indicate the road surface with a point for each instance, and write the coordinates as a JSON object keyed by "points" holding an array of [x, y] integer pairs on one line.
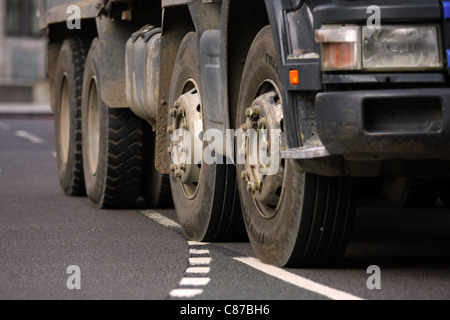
{"points": [[142, 254]]}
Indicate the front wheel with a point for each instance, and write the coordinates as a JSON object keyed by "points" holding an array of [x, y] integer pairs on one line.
{"points": [[293, 218]]}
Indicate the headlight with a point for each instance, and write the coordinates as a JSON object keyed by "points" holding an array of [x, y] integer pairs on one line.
{"points": [[401, 48], [396, 48]]}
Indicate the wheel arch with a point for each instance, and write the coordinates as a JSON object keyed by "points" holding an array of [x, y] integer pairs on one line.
{"points": [[244, 20], [177, 23]]}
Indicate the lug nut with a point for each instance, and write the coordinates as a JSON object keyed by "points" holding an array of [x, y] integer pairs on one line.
{"points": [[251, 187], [260, 185], [178, 174], [249, 113], [256, 112], [262, 124], [182, 112]]}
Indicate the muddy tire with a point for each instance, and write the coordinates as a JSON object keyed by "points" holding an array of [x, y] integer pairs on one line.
{"points": [[68, 94], [113, 142], [303, 220], [205, 196]]}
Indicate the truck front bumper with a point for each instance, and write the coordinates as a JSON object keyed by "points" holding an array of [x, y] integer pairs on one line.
{"points": [[385, 124]]}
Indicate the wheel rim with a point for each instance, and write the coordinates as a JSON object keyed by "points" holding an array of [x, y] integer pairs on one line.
{"points": [[187, 116], [265, 113], [64, 121], [93, 126]]}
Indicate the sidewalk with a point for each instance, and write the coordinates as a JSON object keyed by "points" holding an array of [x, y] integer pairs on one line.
{"points": [[23, 109]]}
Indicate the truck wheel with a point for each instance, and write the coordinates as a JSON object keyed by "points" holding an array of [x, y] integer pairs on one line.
{"points": [[205, 196], [112, 146], [411, 193], [69, 82], [293, 219]]}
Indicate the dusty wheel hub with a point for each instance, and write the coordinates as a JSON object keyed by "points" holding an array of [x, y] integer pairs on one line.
{"points": [[187, 124], [265, 116]]}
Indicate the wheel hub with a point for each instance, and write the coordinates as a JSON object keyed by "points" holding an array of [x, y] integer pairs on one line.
{"points": [[264, 115], [186, 117]]}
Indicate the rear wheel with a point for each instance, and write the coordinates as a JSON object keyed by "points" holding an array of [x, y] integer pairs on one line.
{"points": [[113, 142], [205, 196], [292, 218], [69, 82]]}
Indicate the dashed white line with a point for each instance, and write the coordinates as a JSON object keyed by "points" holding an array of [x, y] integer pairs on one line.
{"points": [[30, 137], [159, 218], [195, 243], [198, 270], [297, 281], [195, 282], [185, 293], [196, 275], [198, 252], [199, 261]]}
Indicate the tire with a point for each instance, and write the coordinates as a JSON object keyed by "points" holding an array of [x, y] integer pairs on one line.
{"points": [[207, 205], [113, 141], [309, 219], [68, 92]]}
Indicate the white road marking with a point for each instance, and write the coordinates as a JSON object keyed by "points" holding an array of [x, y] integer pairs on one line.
{"points": [[198, 252], [297, 281], [30, 137], [199, 261], [195, 243], [185, 293], [198, 270], [200, 266], [159, 218], [195, 282], [54, 154]]}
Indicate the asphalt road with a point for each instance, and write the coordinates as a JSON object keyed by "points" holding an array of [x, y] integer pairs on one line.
{"points": [[144, 255]]}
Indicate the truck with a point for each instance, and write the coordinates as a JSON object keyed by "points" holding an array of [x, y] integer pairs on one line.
{"points": [[346, 90]]}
